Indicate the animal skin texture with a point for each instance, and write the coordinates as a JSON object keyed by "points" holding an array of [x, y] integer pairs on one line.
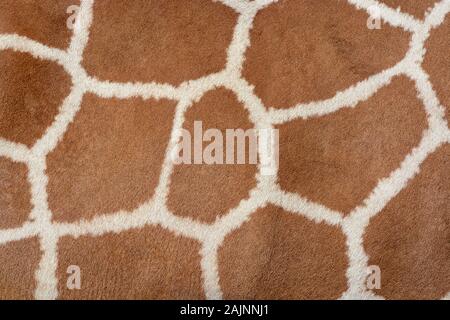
{"points": [[94, 95]]}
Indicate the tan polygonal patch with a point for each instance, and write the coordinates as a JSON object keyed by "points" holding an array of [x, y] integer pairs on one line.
{"points": [[280, 255], [110, 158], [15, 195], [308, 50], [207, 191], [19, 262], [44, 20], [409, 239], [32, 91], [150, 263], [338, 159], [162, 40]]}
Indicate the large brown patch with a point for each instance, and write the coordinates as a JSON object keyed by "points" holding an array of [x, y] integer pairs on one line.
{"points": [[281, 255], [44, 20], [31, 92], [338, 159], [110, 158], [19, 260], [15, 195], [308, 50], [160, 40], [150, 263], [410, 240], [204, 191]]}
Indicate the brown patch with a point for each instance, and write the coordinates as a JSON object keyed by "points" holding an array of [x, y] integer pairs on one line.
{"points": [[15, 194], [110, 157], [437, 62], [280, 255], [308, 50], [206, 191], [417, 8], [410, 239], [44, 21], [31, 91], [19, 261], [161, 40], [337, 159], [150, 263]]}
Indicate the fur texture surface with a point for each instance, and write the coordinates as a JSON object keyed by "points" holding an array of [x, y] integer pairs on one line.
{"points": [[90, 112]]}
